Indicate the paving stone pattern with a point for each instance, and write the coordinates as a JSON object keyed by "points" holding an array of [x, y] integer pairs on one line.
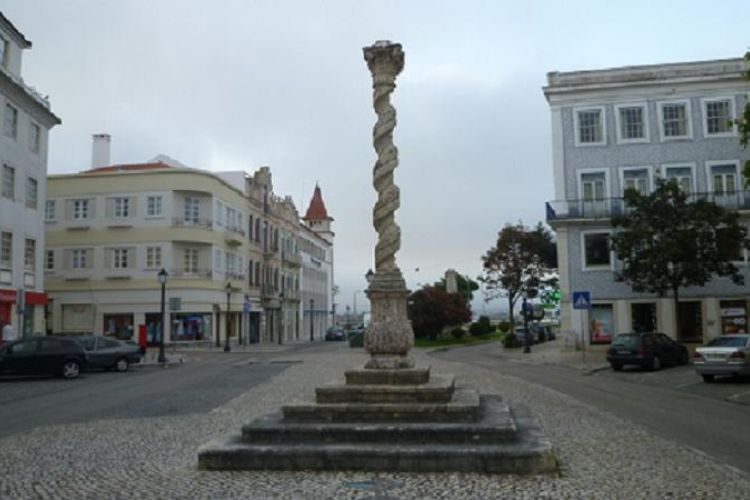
{"points": [[601, 456]]}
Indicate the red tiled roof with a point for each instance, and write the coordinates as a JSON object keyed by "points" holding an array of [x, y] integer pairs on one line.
{"points": [[317, 209], [128, 167]]}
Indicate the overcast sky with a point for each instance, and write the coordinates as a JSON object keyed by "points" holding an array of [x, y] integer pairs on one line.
{"points": [[229, 85]]}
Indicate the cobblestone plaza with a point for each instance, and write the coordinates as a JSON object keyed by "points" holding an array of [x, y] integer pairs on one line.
{"points": [[601, 455]]}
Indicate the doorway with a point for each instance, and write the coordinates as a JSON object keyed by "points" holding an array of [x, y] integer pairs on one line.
{"points": [[643, 317]]}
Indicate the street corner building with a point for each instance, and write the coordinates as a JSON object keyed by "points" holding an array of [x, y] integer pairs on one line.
{"points": [[241, 263], [621, 128], [27, 119]]}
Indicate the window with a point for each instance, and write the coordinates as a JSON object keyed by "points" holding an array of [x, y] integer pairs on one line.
{"points": [[122, 208], [9, 182], [230, 262], [80, 209], [637, 179], [257, 273], [79, 259], [716, 117], [596, 250], [219, 213], [218, 260], [153, 257], [683, 175], [35, 137], [10, 126], [192, 210], [601, 323], [724, 178], [191, 260], [3, 52], [250, 269], [29, 255], [691, 322], [6, 249], [590, 126], [49, 260], [153, 206], [120, 258], [631, 123], [31, 193], [49, 210], [675, 120]]}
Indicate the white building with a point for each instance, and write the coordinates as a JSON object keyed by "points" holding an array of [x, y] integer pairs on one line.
{"points": [[27, 119], [227, 242]]}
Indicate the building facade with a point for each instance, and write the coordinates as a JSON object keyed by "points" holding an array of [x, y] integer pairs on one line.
{"points": [[27, 119], [223, 237], [623, 128]]}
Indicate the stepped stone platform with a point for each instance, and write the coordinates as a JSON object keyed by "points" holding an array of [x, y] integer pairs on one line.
{"points": [[389, 420]]}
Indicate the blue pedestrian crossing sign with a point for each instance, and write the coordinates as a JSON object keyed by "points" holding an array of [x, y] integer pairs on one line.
{"points": [[581, 300]]}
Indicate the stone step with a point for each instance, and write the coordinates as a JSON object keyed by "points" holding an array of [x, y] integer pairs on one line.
{"points": [[531, 453], [439, 388], [464, 407], [496, 425], [404, 376]]}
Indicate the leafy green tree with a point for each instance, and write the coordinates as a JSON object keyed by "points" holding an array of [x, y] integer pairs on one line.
{"points": [[666, 242], [431, 309], [743, 125], [518, 263]]}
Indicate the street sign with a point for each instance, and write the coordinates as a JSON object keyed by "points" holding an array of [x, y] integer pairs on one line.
{"points": [[175, 303], [581, 300]]}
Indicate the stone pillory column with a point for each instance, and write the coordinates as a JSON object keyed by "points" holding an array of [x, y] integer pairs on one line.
{"points": [[388, 337]]}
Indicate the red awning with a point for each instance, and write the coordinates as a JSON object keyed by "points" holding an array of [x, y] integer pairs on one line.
{"points": [[36, 298], [7, 295]]}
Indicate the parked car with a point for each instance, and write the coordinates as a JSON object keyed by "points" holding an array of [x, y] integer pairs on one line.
{"points": [[724, 355], [335, 333], [109, 353], [549, 334], [649, 350], [49, 355]]}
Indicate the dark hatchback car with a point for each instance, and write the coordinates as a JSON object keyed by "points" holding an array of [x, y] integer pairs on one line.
{"points": [[43, 356], [648, 350], [335, 333], [110, 354]]}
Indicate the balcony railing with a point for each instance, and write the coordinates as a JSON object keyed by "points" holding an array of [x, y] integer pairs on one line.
{"points": [[611, 207], [199, 223], [292, 258], [190, 274]]}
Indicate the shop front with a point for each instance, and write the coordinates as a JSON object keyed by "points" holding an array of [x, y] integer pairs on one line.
{"points": [[188, 327], [733, 316], [119, 326]]}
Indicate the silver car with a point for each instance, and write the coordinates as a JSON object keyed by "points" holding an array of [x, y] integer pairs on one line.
{"points": [[724, 355], [109, 353]]}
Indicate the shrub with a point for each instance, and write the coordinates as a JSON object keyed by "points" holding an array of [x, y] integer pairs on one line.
{"points": [[476, 329], [503, 326], [511, 340], [458, 333], [486, 325]]}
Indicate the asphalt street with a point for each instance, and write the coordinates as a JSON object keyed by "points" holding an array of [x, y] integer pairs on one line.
{"points": [[203, 383], [712, 425]]}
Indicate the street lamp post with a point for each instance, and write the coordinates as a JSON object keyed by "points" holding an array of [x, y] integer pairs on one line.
{"points": [[163, 276], [226, 333], [281, 320], [312, 307], [526, 335]]}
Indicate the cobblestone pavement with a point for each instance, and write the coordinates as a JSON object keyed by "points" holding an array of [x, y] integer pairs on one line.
{"points": [[601, 456]]}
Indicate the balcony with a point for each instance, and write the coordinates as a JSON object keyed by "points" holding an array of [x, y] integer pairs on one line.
{"points": [[606, 208], [269, 292], [190, 274], [197, 223], [234, 236], [293, 259]]}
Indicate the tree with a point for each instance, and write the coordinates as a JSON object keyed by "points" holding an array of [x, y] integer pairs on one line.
{"points": [[518, 263], [666, 242], [743, 126], [465, 285], [431, 309]]}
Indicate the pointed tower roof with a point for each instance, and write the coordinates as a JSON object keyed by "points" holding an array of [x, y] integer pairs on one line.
{"points": [[317, 209]]}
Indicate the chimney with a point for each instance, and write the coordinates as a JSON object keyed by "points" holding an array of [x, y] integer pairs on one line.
{"points": [[100, 150]]}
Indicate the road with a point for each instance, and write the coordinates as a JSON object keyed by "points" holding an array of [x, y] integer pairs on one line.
{"points": [[206, 381], [713, 426]]}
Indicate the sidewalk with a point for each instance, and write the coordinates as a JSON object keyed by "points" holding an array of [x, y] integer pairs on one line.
{"points": [[555, 352]]}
